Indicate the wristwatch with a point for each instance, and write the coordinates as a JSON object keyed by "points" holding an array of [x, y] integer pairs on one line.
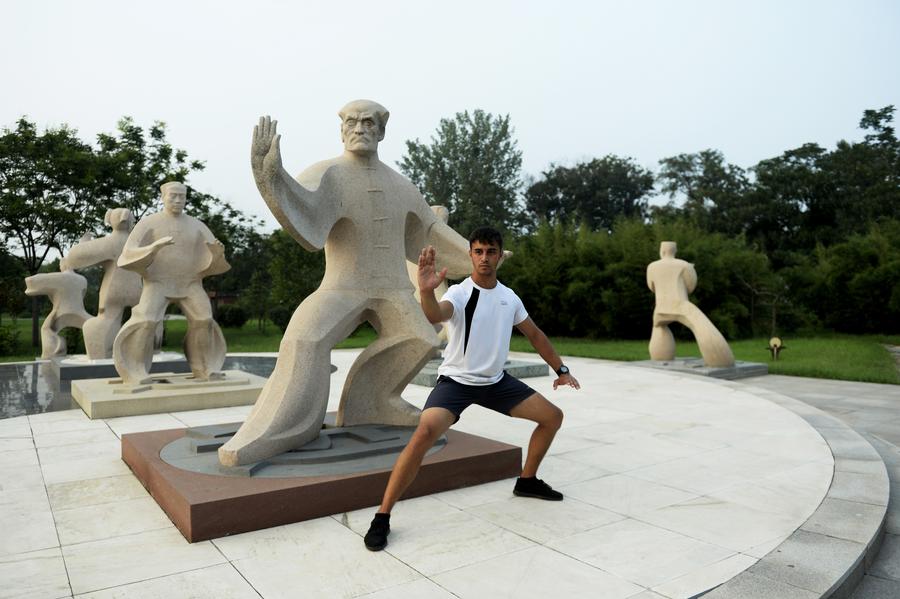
{"points": [[563, 369]]}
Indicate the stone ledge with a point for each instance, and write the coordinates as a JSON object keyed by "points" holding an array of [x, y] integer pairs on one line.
{"points": [[829, 554]]}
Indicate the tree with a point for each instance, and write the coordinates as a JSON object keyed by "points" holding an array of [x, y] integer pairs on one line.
{"points": [[47, 182], [472, 166], [713, 190], [134, 163], [595, 193], [295, 272]]}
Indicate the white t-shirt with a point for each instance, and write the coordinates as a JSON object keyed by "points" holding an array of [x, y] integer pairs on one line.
{"points": [[479, 331]]}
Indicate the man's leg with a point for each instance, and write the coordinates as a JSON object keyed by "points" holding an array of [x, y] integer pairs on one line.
{"points": [[133, 345], [433, 423], [548, 418]]}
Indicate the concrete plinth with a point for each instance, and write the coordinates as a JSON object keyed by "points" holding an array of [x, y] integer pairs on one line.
{"points": [[740, 369], [520, 369], [208, 506], [73, 368], [169, 392]]}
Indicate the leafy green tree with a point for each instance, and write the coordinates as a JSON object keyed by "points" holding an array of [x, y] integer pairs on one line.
{"points": [[46, 194], [295, 272], [472, 166], [595, 193], [713, 191], [135, 162]]}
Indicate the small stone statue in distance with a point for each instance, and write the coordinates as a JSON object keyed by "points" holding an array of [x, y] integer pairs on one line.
{"points": [[672, 280], [119, 288]]}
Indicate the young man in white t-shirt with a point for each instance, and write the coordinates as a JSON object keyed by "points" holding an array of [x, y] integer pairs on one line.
{"points": [[480, 313]]}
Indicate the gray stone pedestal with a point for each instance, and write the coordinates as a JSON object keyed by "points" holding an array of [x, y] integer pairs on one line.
{"points": [[740, 369], [520, 369]]}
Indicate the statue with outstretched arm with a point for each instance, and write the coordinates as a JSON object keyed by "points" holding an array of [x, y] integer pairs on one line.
{"points": [[173, 252], [672, 280], [370, 221], [119, 288]]}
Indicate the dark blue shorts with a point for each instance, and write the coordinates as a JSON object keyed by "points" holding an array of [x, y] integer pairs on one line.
{"points": [[501, 396]]}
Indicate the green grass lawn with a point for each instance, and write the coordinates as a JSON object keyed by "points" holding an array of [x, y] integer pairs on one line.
{"points": [[844, 357]]}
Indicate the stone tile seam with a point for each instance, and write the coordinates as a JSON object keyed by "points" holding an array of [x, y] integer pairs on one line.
{"points": [[802, 410]]}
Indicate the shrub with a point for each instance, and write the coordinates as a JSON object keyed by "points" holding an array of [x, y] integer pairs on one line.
{"points": [[281, 316], [9, 340], [231, 316]]}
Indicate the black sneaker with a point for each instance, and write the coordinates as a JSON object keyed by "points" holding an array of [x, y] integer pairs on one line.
{"points": [[376, 538], [535, 487]]}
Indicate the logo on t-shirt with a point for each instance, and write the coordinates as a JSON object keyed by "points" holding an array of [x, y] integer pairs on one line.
{"points": [[503, 303]]}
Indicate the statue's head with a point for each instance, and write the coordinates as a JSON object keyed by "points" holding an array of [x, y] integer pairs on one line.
{"points": [[667, 249], [362, 126], [119, 219], [174, 196]]}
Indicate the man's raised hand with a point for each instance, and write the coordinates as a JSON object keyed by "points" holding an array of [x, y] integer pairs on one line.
{"points": [[265, 152], [429, 280]]}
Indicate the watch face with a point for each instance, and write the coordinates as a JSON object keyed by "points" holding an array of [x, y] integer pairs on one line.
{"points": [[563, 370]]}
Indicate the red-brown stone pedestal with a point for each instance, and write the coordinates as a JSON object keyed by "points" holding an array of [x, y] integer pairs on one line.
{"points": [[205, 506]]}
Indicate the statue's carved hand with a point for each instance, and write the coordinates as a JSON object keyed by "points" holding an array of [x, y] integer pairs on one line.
{"points": [[265, 153], [429, 279], [161, 243]]}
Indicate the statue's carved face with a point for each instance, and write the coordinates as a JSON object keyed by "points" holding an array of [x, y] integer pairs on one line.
{"points": [[174, 200], [360, 132]]}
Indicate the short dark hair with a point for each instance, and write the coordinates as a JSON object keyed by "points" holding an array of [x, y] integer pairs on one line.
{"points": [[486, 235]]}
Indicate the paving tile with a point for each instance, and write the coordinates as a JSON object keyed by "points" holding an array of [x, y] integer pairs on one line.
{"points": [[629, 455], [536, 572], [887, 564], [873, 467], [27, 521], [214, 582], [95, 491], [95, 522], [752, 586], [810, 561], [123, 560], [15, 444], [471, 496], [865, 488], [626, 494], [641, 553], [90, 435], [24, 457], [73, 421], [690, 585], [111, 448], [722, 523], [317, 554], [17, 427], [422, 588], [213, 416], [776, 496], [140, 424], [83, 469], [13, 477], [873, 587], [543, 521], [36, 574], [849, 520]]}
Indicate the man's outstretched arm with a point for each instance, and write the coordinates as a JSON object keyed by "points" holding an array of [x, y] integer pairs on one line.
{"points": [[542, 344]]}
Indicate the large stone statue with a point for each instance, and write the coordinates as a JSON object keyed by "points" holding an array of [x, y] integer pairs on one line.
{"points": [[370, 220], [119, 288], [672, 280], [66, 293], [173, 252]]}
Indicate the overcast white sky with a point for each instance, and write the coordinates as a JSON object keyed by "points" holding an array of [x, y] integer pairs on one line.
{"points": [[647, 79]]}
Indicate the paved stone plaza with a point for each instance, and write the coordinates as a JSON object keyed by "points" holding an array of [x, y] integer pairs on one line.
{"points": [[674, 484]]}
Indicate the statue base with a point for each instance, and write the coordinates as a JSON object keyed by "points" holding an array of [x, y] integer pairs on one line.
{"points": [[347, 471], [521, 369], [78, 367], [166, 392], [740, 369]]}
